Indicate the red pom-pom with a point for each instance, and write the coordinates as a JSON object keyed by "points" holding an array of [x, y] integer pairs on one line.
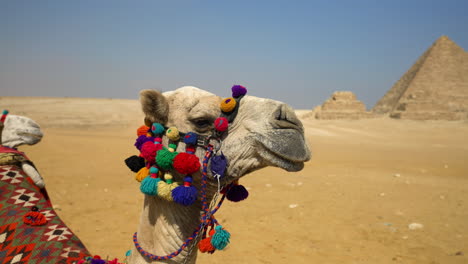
{"points": [[148, 151], [221, 124], [186, 163], [142, 130], [206, 246]]}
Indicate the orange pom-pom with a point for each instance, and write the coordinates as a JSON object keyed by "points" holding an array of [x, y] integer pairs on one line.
{"points": [[206, 246], [142, 130], [228, 105], [186, 163]]}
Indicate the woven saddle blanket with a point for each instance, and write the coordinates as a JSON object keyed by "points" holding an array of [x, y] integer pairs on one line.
{"points": [[21, 241]]}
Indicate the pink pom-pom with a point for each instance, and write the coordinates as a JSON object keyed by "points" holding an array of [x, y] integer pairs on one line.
{"points": [[149, 149], [186, 163], [221, 124]]}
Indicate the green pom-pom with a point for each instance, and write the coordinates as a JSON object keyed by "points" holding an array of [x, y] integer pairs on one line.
{"points": [[149, 185], [220, 239], [165, 158], [5, 112]]}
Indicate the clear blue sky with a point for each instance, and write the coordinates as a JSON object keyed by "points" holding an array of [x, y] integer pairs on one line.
{"points": [[297, 52]]}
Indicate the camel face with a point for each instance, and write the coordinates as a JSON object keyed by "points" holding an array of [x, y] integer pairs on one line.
{"points": [[20, 130], [264, 133]]}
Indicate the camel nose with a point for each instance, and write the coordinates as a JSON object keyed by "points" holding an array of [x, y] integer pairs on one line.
{"points": [[284, 118]]}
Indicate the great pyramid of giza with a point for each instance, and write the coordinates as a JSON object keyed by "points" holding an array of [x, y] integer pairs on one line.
{"points": [[342, 105], [435, 87]]}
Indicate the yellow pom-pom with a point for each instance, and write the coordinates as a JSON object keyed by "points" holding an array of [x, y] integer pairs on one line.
{"points": [[173, 133], [165, 187], [228, 105], [141, 174]]}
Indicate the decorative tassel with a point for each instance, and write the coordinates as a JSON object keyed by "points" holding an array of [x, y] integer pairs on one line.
{"points": [[165, 187], [135, 163], [149, 185], [186, 163], [238, 90], [142, 140], [149, 150], [165, 159], [220, 239], [157, 129], [218, 165], [237, 192], [186, 194], [142, 174], [34, 218], [205, 245], [142, 130]]}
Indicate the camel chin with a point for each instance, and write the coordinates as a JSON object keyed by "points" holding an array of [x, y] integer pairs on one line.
{"points": [[285, 154]]}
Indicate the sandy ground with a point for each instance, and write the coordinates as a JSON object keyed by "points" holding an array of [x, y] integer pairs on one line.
{"points": [[367, 182]]}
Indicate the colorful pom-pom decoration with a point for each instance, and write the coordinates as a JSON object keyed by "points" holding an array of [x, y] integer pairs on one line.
{"points": [[142, 174], [142, 130], [165, 187], [135, 163], [149, 150], [149, 185], [173, 133], [157, 129], [228, 105], [34, 217], [165, 159], [221, 237], [237, 192], [172, 147], [218, 165], [221, 124], [185, 194], [186, 163], [142, 140], [191, 138], [205, 246], [238, 90]]}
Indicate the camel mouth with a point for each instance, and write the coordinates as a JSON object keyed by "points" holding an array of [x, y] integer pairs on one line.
{"points": [[289, 153]]}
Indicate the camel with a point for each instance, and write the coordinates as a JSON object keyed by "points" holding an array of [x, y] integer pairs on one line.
{"points": [[264, 133], [21, 131], [261, 132]]}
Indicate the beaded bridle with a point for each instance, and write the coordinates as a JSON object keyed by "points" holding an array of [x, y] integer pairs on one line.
{"points": [[155, 158]]}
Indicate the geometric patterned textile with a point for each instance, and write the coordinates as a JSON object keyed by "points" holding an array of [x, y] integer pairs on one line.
{"points": [[21, 243]]}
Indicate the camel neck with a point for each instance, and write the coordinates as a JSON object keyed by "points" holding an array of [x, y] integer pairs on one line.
{"points": [[164, 226]]}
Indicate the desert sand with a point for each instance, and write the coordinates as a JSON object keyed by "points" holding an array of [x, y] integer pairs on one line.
{"points": [[354, 202]]}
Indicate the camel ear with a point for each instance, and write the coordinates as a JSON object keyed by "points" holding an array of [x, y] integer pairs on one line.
{"points": [[155, 107]]}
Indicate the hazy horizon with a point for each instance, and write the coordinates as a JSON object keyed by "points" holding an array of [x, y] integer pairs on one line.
{"points": [[297, 52]]}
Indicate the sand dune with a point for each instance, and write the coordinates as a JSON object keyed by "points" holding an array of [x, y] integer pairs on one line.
{"points": [[367, 182]]}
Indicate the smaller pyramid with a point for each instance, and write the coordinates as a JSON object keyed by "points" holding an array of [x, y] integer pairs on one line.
{"points": [[342, 105], [435, 87]]}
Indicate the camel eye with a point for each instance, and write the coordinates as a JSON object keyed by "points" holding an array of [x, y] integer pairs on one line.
{"points": [[202, 124]]}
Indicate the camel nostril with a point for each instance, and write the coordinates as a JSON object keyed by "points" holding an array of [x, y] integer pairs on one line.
{"points": [[284, 117]]}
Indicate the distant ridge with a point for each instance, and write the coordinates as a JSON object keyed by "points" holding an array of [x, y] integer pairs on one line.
{"points": [[435, 87]]}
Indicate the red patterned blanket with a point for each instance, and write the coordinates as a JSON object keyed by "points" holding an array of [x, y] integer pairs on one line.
{"points": [[21, 241]]}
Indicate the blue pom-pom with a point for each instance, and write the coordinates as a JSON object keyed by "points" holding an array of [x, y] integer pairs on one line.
{"points": [[153, 170], [185, 195], [5, 112], [237, 193], [220, 239], [149, 185], [218, 165], [191, 138], [157, 129]]}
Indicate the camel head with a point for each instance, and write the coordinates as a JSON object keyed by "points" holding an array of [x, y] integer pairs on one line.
{"points": [[20, 130], [264, 132]]}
